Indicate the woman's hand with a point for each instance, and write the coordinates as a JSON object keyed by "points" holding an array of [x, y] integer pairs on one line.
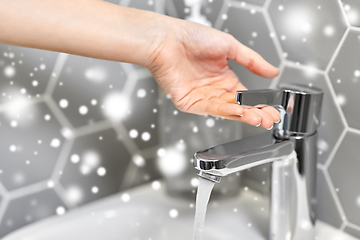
{"points": [[191, 65]]}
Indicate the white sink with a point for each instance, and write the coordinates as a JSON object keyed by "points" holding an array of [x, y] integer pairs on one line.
{"points": [[146, 216]]}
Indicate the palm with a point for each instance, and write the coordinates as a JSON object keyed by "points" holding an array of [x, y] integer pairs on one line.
{"points": [[197, 76]]}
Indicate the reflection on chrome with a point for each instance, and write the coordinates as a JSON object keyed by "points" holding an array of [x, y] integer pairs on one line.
{"points": [[291, 150]]}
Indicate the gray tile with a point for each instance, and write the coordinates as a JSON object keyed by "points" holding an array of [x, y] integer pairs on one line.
{"points": [[24, 71], [30, 145], [83, 81], [211, 10], [95, 167], [146, 171], [325, 202], [113, 1], [143, 4], [352, 231], [198, 132], [255, 2], [331, 125], [256, 36], [143, 115], [345, 77], [309, 31], [352, 10], [344, 172], [29, 209], [181, 9]]}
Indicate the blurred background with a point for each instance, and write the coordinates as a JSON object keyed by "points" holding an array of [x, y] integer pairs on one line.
{"points": [[74, 129]]}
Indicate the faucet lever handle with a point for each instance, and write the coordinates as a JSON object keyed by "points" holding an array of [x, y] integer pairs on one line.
{"points": [[269, 97], [299, 107]]}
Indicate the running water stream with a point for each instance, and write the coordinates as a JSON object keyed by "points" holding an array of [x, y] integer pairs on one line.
{"points": [[202, 199]]}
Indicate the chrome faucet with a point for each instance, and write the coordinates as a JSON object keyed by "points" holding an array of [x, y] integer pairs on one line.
{"points": [[290, 148]]}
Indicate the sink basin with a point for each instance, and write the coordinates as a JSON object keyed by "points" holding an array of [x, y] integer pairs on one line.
{"points": [[145, 213]]}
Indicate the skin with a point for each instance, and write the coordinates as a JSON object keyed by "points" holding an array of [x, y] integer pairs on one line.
{"points": [[188, 60]]}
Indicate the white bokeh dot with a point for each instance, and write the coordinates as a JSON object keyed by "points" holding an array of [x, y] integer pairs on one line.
{"points": [[138, 160], [210, 122], [83, 110], [50, 184], [194, 182], [93, 102], [47, 117], [161, 152], [55, 143], [173, 213], [141, 93], [64, 103], [341, 99], [35, 83], [9, 71], [60, 211], [357, 73], [101, 171], [156, 185], [75, 158], [14, 123], [42, 66], [133, 133], [145, 136], [12, 148], [94, 189], [125, 197]]}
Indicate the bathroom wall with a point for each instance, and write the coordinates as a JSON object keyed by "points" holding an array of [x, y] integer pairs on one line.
{"points": [[72, 130], [75, 129], [316, 42]]}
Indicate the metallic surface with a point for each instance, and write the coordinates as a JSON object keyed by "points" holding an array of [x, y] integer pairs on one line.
{"points": [[291, 148], [299, 106]]}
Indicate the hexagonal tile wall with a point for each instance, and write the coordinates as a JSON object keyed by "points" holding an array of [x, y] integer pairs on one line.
{"points": [[255, 2], [345, 77], [25, 72], [94, 168], [256, 35], [344, 172], [30, 208], [211, 10], [142, 118], [32, 144], [86, 89], [352, 10], [177, 8], [309, 30], [68, 122], [326, 201]]}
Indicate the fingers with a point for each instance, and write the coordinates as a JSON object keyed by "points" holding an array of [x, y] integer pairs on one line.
{"points": [[216, 108], [261, 115], [270, 111], [252, 60]]}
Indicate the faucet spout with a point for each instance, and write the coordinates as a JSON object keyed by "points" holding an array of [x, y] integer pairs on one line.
{"points": [[240, 155]]}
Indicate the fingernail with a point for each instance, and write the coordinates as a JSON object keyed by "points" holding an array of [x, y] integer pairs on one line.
{"points": [[278, 121], [270, 128], [258, 125], [241, 115]]}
